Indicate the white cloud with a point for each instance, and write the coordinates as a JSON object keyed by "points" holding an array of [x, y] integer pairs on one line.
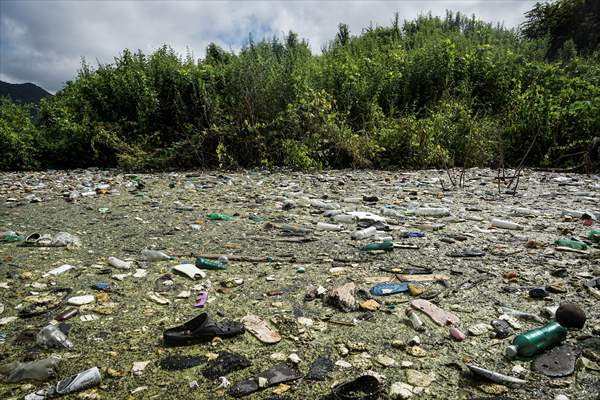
{"points": [[43, 41]]}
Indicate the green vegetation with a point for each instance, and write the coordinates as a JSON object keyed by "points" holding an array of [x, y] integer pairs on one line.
{"points": [[427, 93]]}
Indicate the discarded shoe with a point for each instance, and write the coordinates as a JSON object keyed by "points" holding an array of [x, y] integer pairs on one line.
{"points": [[384, 289], [200, 330], [225, 364], [365, 387], [260, 329], [279, 373], [467, 253], [201, 299], [176, 363]]}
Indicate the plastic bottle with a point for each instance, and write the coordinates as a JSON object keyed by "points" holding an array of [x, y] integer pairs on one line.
{"points": [[51, 336], [432, 212], [386, 245], [534, 341], [218, 217], [40, 370], [573, 244], [364, 233], [322, 205], [322, 226], [345, 218], [594, 235], [500, 223], [117, 263], [332, 213], [83, 380], [155, 255], [10, 236], [577, 213], [524, 212], [430, 227], [415, 321], [203, 263], [390, 212]]}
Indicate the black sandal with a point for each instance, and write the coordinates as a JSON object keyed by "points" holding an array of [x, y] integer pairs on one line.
{"points": [[200, 330], [365, 387]]}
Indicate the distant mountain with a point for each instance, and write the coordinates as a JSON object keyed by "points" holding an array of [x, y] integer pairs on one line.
{"points": [[23, 92]]}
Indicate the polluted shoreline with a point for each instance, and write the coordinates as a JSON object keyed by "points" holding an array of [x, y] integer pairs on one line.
{"points": [[259, 284]]}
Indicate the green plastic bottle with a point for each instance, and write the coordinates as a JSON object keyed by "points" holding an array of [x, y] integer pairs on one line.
{"points": [[11, 237], [594, 235], [218, 217], [203, 263], [536, 340], [386, 245], [573, 244]]}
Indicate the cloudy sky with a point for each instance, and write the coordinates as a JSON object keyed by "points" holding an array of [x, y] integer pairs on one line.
{"points": [[43, 41]]}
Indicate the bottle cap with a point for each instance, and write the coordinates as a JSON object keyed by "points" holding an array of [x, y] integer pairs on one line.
{"points": [[512, 351]]}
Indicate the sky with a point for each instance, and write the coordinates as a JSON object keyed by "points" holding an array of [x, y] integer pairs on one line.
{"points": [[44, 41]]}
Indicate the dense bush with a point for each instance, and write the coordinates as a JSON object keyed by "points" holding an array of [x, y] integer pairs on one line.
{"points": [[427, 93], [18, 137]]}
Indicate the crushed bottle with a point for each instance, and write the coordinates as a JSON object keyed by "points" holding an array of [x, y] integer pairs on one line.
{"points": [[52, 336], [74, 383]]}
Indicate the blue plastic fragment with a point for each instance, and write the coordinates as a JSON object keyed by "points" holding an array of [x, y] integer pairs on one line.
{"points": [[101, 286], [416, 234], [384, 289]]}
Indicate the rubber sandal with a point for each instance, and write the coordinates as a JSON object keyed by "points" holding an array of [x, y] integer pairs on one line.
{"points": [[177, 363], [438, 315], [260, 329], [275, 375], [225, 364], [201, 299], [365, 387], [44, 308], [320, 369], [467, 253], [200, 330], [385, 289]]}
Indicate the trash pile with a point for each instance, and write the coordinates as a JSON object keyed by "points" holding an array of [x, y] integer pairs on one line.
{"points": [[284, 285]]}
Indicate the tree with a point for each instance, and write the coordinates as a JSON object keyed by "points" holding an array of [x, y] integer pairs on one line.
{"points": [[564, 20]]}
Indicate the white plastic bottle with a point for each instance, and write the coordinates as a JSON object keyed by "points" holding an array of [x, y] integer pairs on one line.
{"points": [[117, 263], [155, 255], [432, 212], [500, 223], [364, 233], [345, 218], [322, 226]]}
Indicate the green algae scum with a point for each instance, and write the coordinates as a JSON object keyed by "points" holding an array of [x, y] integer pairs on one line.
{"points": [[274, 263]]}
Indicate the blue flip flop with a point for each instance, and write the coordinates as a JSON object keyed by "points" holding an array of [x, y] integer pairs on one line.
{"points": [[385, 289]]}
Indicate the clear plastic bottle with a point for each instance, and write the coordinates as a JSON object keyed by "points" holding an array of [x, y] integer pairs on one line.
{"points": [[364, 233], [432, 212], [322, 226], [83, 380], [51, 336], [117, 263], [345, 218], [500, 223]]}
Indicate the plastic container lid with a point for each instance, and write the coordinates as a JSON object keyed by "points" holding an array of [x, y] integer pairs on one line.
{"points": [[512, 351]]}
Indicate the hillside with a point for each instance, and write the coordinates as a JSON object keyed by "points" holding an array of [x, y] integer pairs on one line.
{"points": [[23, 92]]}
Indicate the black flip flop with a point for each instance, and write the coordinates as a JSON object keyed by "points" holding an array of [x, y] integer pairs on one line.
{"points": [[365, 387], [224, 364], [200, 330], [275, 375]]}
